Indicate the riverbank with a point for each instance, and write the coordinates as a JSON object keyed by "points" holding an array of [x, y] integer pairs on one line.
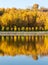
{"points": [[13, 33]]}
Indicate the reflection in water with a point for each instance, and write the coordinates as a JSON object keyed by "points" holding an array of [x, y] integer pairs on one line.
{"points": [[24, 45]]}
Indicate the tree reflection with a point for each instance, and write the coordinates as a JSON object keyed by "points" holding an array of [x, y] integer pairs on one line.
{"points": [[24, 45]]}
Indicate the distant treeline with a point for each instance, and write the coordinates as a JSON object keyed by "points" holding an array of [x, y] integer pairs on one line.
{"points": [[21, 19]]}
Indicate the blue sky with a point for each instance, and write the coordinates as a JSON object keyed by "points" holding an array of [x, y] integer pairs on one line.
{"points": [[22, 3]]}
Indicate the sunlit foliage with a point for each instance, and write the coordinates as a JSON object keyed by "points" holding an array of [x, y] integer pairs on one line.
{"points": [[33, 17]]}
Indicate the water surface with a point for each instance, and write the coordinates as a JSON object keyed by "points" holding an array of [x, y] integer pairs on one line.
{"points": [[24, 50]]}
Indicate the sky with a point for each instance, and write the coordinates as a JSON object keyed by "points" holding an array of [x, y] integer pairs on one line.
{"points": [[22, 3]]}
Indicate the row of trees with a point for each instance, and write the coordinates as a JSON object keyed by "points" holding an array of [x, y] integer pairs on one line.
{"points": [[21, 18]]}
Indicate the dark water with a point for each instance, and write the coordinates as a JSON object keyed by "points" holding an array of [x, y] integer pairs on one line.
{"points": [[24, 50]]}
